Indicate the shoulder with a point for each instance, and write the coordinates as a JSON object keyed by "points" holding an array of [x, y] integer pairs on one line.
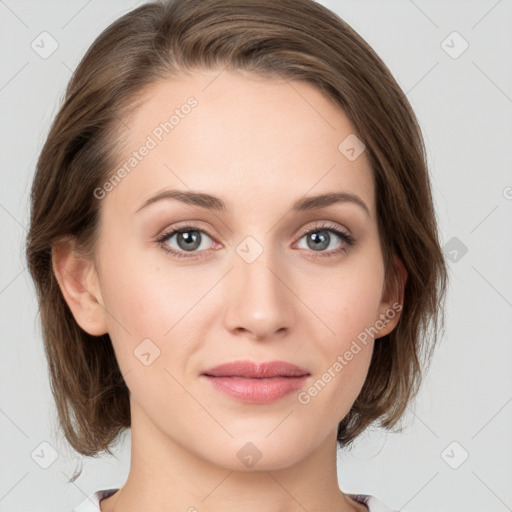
{"points": [[92, 502], [372, 503]]}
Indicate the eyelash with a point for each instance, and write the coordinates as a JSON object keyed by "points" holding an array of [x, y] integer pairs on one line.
{"points": [[346, 237]]}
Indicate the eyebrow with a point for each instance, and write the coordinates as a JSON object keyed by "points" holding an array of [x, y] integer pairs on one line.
{"points": [[210, 202]]}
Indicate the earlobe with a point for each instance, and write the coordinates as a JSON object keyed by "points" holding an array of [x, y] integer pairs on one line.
{"points": [[78, 282], [392, 299]]}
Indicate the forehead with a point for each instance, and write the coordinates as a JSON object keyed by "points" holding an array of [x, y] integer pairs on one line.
{"points": [[239, 136]]}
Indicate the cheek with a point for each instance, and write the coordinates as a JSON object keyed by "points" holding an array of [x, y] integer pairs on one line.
{"points": [[349, 311], [144, 300], [348, 301]]}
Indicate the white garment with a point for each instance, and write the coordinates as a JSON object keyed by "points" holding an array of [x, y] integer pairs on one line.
{"points": [[92, 503]]}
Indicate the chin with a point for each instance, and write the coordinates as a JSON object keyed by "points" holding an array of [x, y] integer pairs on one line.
{"points": [[259, 454]]}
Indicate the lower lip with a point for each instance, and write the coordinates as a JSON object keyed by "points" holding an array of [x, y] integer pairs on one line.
{"points": [[257, 391]]}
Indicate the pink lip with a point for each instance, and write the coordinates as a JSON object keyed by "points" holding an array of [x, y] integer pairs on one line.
{"points": [[257, 382]]}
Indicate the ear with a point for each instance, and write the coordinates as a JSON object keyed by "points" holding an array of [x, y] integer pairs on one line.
{"points": [[79, 284], [391, 304]]}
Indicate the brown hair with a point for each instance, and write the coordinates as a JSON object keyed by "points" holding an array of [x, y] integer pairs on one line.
{"points": [[294, 39]]}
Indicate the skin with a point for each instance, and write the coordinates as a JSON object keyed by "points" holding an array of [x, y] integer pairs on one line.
{"points": [[259, 145]]}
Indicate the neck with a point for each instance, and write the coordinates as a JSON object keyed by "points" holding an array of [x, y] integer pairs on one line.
{"points": [[165, 475]]}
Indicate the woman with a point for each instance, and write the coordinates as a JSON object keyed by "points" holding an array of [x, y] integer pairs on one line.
{"points": [[235, 252]]}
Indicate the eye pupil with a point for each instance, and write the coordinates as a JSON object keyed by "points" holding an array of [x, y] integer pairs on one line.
{"points": [[194, 239], [322, 239]]}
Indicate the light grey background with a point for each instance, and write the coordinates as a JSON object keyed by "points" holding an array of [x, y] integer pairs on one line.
{"points": [[464, 105]]}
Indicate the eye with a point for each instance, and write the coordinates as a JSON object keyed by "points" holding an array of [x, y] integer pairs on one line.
{"points": [[187, 238], [319, 238]]}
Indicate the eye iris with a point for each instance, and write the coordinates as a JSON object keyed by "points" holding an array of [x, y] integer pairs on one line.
{"points": [[321, 241], [194, 239]]}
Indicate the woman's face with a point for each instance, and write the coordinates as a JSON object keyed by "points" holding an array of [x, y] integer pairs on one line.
{"points": [[244, 282]]}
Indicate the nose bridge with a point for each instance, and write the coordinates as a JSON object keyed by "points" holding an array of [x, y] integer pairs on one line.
{"points": [[259, 300]]}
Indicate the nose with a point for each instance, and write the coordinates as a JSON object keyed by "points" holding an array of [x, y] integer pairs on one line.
{"points": [[260, 303]]}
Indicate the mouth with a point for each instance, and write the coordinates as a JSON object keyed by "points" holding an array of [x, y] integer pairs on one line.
{"points": [[255, 383], [252, 370]]}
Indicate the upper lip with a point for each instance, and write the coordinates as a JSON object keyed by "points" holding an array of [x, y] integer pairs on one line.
{"points": [[254, 370]]}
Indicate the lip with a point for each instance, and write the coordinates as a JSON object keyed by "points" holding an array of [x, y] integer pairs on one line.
{"points": [[253, 382], [253, 370]]}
